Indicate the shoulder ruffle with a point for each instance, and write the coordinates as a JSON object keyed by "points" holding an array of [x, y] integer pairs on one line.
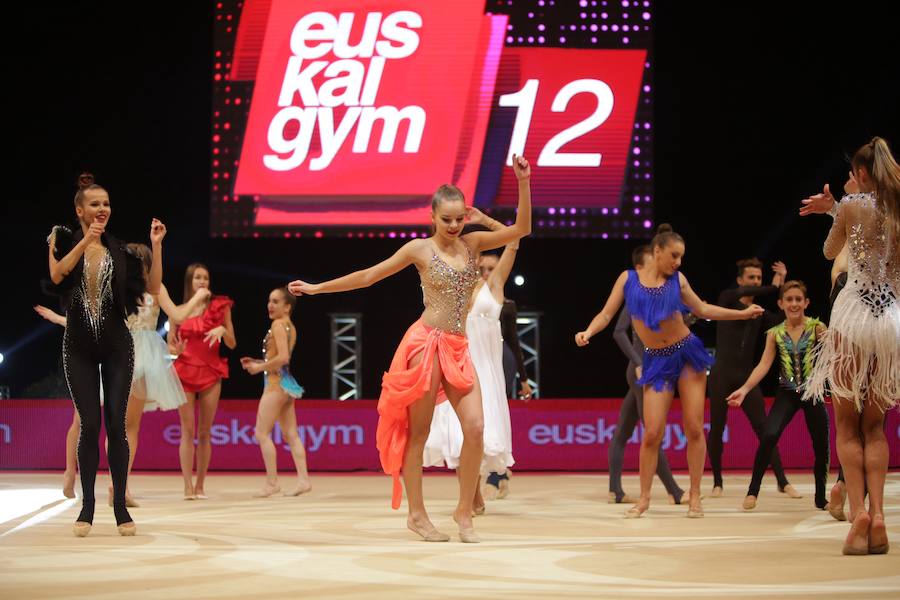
{"points": [[215, 312], [61, 239]]}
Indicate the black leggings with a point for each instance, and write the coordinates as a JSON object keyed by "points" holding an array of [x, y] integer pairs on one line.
{"points": [[85, 359], [787, 403], [630, 414], [722, 381]]}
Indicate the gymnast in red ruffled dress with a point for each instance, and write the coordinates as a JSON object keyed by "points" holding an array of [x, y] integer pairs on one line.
{"points": [[201, 369], [432, 362]]}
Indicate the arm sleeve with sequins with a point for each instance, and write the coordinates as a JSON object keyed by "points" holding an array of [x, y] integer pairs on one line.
{"points": [[837, 236]]}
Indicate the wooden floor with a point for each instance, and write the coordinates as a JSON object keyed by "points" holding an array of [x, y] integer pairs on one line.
{"points": [[554, 537]]}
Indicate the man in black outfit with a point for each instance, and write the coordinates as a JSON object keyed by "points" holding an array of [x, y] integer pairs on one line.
{"points": [[736, 343]]}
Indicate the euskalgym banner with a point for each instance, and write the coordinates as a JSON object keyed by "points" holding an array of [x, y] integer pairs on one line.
{"points": [[552, 435]]}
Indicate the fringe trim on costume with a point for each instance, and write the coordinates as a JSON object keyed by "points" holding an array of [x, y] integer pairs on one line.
{"points": [[858, 358]]}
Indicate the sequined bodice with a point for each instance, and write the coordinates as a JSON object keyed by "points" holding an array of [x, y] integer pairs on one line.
{"points": [[269, 348], [873, 272], [796, 358], [96, 289], [653, 305], [447, 292], [146, 317]]}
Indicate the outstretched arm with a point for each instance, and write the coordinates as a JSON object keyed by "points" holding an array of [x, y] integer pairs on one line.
{"points": [[765, 363], [50, 315], [488, 240], [604, 317], [711, 311], [402, 258]]}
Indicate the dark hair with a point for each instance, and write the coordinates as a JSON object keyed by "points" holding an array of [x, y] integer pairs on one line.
{"points": [[665, 235], [85, 183], [876, 158], [189, 279], [637, 255], [748, 263], [790, 285], [143, 252], [289, 298]]}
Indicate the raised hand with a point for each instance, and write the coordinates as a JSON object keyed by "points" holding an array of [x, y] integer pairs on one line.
{"points": [[521, 167], [157, 231], [95, 230], [780, 269], [203, 294], [818, 204], [852, 186], [475, 216]]}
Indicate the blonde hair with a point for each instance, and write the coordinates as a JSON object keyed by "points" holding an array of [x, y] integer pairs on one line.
{"points": [[791, 285], [876, 158]]}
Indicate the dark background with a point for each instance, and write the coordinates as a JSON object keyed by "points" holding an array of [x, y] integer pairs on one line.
{"points": [[756, 106]]}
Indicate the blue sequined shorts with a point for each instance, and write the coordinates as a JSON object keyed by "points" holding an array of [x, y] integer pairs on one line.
{"points": [[663, 366]]}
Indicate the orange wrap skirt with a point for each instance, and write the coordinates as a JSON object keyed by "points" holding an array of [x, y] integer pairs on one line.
{"points": [[403, 385]]}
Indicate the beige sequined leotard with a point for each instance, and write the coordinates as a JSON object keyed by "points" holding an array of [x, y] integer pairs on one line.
{"points": [[270, 350], [447, 292]]}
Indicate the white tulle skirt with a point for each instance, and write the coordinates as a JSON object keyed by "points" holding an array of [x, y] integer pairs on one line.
{"points": [[155, 379], [858, 358], [445, 440]]}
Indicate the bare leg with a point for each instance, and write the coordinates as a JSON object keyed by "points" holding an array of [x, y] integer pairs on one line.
{"points": [[269, 408], [71, 456], [132, 429], [692, 391], [850, 452], [656, 409], [469, 409], [420, 414], [186, 445], [478, 502], [209, 403], [288, 421], [875, 456]]}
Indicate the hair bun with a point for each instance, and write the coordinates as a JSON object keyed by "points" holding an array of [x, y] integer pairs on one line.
{"points": [[85, 180], [664, 228]]}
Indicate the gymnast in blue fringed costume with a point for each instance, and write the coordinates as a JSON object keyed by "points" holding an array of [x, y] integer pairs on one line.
{"points": [[657, 299], [280, 390]]}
